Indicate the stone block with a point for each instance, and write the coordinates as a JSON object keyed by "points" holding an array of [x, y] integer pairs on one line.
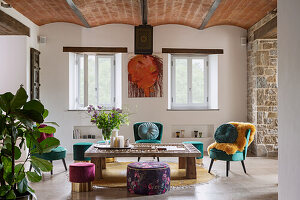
{"points": [[269, 71], [261, 150], [259, 71], [267, 46], [261, 82], [273, 52], [262, 58], [273, 154], [271, 79], [270, 147]]}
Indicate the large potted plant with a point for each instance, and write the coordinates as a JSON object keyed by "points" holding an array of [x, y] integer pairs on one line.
{"points": [[107, 120], [19, 129]]}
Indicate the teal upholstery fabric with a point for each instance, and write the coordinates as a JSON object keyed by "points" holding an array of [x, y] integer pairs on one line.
{"points": [[148, 131], [238, 156], [198, 145], [226, 133], [79, 150], [57, 153], [137, 137], [222, 155], [148, 141]]}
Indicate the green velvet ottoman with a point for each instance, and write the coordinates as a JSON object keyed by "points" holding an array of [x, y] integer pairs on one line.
{"points": [[79, 150], [198, 145]]}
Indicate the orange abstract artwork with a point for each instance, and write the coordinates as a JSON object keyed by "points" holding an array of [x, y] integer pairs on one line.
{"points": [[145, 76]]}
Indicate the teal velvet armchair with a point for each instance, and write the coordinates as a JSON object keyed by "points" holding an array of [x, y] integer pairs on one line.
{"points": [[139, 140], [216, 154]]}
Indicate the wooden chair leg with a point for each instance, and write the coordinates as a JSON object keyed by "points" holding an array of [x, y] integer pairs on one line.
{"points": [[52, 167], [157, 159], [139, 158], [243, 164], [64, 162], [211, 164], [227, 167]]}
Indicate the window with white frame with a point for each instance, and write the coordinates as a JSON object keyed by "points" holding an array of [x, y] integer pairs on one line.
{"points": [[92, 81], [189, 82]]}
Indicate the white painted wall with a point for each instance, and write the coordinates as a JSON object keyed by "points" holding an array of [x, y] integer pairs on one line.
{"points": [[10, 82], [232, 74], [289, 98], [12, 63]]}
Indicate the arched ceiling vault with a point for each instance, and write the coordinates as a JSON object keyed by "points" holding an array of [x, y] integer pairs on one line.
{"points": [[198, 14]]}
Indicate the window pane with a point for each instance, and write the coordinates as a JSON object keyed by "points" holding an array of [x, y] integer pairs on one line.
{"points": [[104, 80], [181, 82], [198, 81], [81, 80], [92, 98]]}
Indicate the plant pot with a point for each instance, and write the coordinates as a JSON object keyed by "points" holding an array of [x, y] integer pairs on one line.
{"points": [[25, 196]]}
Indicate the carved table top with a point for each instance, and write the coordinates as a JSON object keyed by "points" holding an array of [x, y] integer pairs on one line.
{"points": [[147, 150]]}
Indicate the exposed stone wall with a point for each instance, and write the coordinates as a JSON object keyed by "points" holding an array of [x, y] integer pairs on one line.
{"points": [[262, 91]]}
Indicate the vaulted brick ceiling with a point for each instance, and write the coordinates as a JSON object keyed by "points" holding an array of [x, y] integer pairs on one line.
{"points": [[242, 13]]}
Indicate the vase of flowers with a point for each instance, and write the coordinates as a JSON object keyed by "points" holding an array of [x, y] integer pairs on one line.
{"points": [[107, 120]]}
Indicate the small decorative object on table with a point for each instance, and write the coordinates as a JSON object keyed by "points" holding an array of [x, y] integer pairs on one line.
{"points": [[177, 134], [200, 134], [127, 142], [107, 120], [196, 133], [182, 133]]}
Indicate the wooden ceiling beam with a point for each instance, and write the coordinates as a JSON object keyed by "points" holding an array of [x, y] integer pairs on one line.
{"points": [[78, 13], [11, 26], [210, 13], [144, 11], [95, 49], [193, 51], [267, 31]]}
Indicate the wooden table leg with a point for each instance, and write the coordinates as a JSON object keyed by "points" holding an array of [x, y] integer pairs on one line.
{"points": [[182, 163], [191, 171], [103, 162], [98, 168]]}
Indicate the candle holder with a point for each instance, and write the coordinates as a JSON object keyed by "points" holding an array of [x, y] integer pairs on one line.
{"points": [[200, 134], [196, 133], [177, 134], [182, 133]]}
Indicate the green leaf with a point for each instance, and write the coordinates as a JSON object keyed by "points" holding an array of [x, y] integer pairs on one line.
{"points": [[33, 177], [42, 164], [22, 185], [19, 99], [49, 143], [17, 153], [11, 195], [32, 143], [8, 177], [34, 105], [30, 115], [45, 114], [4, 189], [5, 100], [32, 192], [47, 129], [6, 163], [19, 172], [53, 123]]}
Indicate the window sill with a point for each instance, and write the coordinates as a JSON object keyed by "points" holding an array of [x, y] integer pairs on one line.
{"points": [[204, 109]]}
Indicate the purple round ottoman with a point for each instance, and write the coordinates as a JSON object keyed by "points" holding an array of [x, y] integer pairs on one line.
{"points": [[148, 178], [81, 175]]}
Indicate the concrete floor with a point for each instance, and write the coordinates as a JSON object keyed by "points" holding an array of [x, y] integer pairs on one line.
{"points": [[261, 182]]}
